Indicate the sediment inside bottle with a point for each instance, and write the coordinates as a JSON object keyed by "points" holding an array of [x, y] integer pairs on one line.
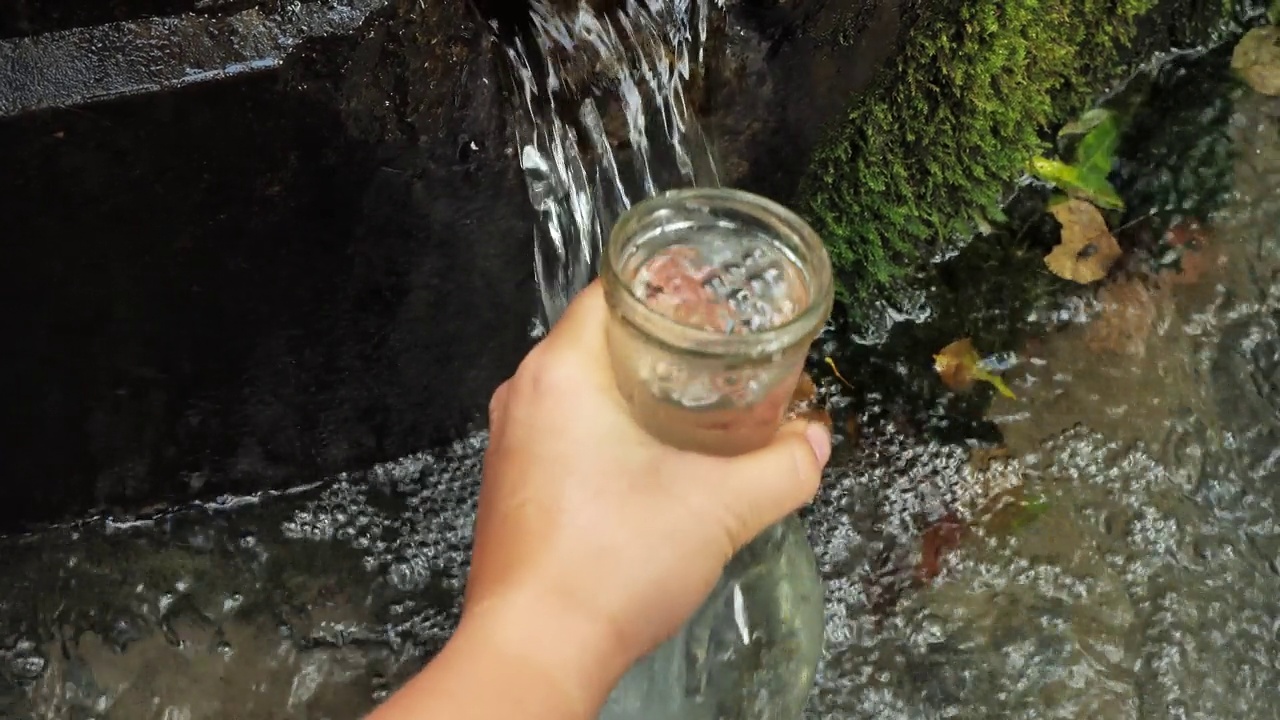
{"points": [[723, 430], [723, 280]]}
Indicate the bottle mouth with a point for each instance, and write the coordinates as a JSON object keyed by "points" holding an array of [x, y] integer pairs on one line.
{"points": [[653, 224]]}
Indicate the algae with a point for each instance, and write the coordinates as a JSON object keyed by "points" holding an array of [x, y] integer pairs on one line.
{"points": [[926, 155]]}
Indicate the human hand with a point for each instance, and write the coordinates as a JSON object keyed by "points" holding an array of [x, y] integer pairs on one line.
{"points": [[593, 541]]}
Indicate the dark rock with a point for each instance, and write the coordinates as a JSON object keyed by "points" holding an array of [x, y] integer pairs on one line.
{"points": [[250, 284], [782, 73], [317, 264]]}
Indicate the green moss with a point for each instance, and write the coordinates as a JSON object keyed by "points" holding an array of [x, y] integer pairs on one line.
{"points": [[940, 135]]}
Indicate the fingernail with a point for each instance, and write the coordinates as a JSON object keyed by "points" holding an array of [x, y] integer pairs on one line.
{"points": [[820, 440]]}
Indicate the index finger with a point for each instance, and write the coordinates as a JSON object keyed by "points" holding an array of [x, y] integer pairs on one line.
{"points": [[581, 330]]}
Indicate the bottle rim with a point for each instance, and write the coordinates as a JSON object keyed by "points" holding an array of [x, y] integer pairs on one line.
{"points": [[806, 248]]}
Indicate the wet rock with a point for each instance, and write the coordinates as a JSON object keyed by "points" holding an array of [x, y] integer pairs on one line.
{"points": [[318, 262], [253, 284], [782, 72]]}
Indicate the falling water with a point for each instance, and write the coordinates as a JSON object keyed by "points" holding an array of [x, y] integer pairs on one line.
{"points": [[604, 121]]}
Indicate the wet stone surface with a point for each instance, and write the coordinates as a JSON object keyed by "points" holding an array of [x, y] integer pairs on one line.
{"points": [[304, 247], [252, 284], [1144, 586]]}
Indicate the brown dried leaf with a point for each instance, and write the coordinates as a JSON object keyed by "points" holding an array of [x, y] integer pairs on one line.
{"points": [[1128, 312], [805, 403], [956, 363], [1088, 249], [940, 538], [980, 457], [1198, 254], [851, 429]]}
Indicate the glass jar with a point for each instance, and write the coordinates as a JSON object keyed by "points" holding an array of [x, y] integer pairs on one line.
{"points": [[715, 296]]}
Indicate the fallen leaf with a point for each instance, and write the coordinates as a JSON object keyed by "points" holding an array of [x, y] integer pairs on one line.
{"points": [[1085, 177], [851, 430], [1088, 249], [1197, 254], [806, 390], [805, 403], [959, 365], [1086, 122], [1257, 59], [939, 538], [1126, 316], [980, 457], [1010, 511]]}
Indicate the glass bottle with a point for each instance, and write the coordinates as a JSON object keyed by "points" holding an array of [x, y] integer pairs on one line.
{"points": [[715, 296]]}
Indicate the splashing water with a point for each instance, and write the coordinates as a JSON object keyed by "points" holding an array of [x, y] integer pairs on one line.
{"points": [[604, 122]]}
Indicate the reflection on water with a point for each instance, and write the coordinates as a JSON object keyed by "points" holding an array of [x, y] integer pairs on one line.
{"points": [[1147, 585]]}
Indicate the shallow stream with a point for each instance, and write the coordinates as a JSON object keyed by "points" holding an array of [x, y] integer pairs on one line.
{"points": [[1136, 576]]}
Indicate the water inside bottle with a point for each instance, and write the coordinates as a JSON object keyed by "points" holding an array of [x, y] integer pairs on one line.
{"points": [[723, 280]]}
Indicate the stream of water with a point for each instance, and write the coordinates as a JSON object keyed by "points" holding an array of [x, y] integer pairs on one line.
{"points": [[605, 122], [1145, 429]]}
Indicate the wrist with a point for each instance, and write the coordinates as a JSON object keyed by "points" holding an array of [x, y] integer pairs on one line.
{"points": [[574, 661]]}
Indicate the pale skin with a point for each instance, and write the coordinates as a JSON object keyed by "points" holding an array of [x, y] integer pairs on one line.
{"points": [[593, 542]]}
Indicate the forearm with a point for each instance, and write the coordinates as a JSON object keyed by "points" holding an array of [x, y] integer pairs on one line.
{"points": [[507, 665]]}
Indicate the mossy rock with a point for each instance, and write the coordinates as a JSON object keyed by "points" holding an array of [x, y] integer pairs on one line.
{"points": [[926, 156], [1175, 163]]}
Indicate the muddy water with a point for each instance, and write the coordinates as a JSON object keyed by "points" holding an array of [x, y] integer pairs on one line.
{"points": [[1145, 584]]}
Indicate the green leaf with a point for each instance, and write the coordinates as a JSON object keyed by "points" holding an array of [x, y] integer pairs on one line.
{"points": [[1031, 510], [1096, 153], [1054, 172], [1077, 183], [1086, 122], [1086, 177]]}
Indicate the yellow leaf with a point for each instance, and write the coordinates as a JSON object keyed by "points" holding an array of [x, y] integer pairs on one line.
{"points": [[1088, 249], [959, 365]]}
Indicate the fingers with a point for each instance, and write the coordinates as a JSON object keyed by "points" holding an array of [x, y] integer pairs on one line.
{"points": [[498, 406], [765, 486], [575, 353], [581, 329]]}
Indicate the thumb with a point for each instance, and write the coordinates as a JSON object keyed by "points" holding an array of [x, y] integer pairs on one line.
{"points": [[777, 479]]}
